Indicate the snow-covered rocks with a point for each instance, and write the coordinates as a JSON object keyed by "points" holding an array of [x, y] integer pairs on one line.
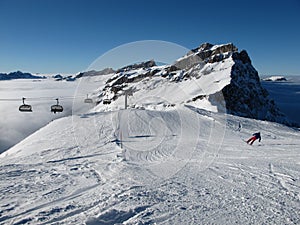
{"points": [[214, 77], [152, 167], [275, 78]]}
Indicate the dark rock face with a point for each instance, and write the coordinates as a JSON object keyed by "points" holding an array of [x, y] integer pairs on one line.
{"points": [[213, 50], [124, 77], [243, 56], [203, 47], [206, 53], [146, 64], [95, 73], [245, 96], [225, 48]]}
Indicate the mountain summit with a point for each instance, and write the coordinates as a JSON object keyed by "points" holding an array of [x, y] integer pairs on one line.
{"points": [[213, 77]]}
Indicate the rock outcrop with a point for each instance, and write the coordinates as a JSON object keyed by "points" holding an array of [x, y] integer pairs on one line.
{"points": [[227, 78]]}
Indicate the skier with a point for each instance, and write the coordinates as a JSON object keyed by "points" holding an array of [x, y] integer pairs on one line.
{"points": [[254, 137], [240, 127]]}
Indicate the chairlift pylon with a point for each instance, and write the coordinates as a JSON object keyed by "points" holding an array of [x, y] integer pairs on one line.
{"points": [[56, 108], [25, 107]]}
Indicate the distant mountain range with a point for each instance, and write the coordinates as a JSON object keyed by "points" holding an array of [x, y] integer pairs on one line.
{"points": [[19, 75]]}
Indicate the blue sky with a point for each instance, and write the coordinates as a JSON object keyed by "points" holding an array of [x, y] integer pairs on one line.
{"points": [[66, 36]]}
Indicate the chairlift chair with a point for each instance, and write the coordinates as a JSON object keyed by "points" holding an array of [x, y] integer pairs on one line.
{"points": [[56, 108], [88, 100], [25, 107], [106, 101]]}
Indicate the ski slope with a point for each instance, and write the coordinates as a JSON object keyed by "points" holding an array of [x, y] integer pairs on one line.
{"points": [[175, 165]]}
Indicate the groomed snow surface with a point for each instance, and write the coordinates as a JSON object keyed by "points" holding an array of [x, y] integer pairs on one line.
{"points": [[177, 165]]}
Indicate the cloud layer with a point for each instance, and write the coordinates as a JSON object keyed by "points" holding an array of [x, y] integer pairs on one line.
{"points": [[15, 125]]}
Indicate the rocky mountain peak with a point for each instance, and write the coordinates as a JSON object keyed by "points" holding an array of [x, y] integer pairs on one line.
{"points": [[245, 96], [207, 53], [214, 49], [243, 56], [218, 75], [146, 64], [203, 47]]}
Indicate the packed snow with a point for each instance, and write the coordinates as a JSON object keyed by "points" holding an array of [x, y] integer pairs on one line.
{"points": [[174, 166]]}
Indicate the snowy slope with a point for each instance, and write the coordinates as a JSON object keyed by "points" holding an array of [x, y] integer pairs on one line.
{"points": [[175, 166], [165, 92], [40, 94], [173, 157]]}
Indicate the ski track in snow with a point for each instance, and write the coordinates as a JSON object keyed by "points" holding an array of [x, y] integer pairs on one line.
{"points": [[141, 167]]}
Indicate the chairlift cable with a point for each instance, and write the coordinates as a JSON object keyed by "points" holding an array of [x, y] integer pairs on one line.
{"points": [[41, 98]]}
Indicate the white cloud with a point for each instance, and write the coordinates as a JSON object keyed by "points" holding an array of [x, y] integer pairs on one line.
{"points": [[15, 125]]}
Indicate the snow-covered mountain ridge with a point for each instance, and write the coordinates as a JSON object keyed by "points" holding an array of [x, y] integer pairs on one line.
{"points": [[19, 75], [214, 77]]}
